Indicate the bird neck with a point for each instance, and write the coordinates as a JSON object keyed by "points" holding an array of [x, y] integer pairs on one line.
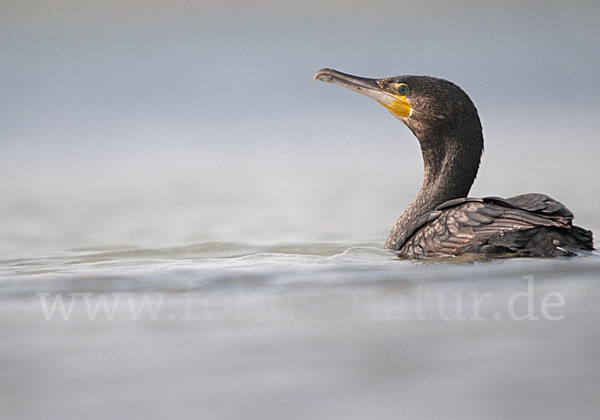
{"points": [[451, 162]]}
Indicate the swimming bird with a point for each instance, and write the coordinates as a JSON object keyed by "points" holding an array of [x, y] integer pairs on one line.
{"points": [[442, 221]]}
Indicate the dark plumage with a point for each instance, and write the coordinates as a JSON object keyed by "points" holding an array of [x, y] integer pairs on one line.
{"points": [[441, 221]]}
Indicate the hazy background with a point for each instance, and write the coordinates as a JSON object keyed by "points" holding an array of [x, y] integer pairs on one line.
{"points": [[159, 123]]}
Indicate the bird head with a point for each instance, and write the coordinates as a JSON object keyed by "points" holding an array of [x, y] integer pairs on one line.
{"points": [[425, 104]]}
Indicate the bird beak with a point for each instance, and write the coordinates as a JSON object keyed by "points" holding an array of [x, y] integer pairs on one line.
{"points": [[373, 88]]}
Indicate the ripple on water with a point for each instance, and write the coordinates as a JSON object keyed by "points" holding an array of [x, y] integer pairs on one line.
{"points": [[218, 265]]}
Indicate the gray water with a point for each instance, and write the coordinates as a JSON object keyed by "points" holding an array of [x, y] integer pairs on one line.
{"points": [[190, 228]]}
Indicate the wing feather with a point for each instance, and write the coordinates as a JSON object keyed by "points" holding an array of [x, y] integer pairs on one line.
{"points": [[464, 224]]}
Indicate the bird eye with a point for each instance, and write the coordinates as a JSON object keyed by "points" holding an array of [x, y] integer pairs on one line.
{"points": [[402, 89]]}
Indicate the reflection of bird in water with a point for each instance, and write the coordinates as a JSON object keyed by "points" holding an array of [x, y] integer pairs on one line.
{"points": [[441, 220]]}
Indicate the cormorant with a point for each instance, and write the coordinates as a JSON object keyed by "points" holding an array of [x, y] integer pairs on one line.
{"points": [[442, 221]]}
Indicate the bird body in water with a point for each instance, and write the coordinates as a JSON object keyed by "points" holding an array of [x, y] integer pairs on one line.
{"points": [[441, 220]]}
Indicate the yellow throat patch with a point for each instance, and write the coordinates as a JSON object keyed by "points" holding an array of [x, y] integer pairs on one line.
{"points": [[399, 107]]}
